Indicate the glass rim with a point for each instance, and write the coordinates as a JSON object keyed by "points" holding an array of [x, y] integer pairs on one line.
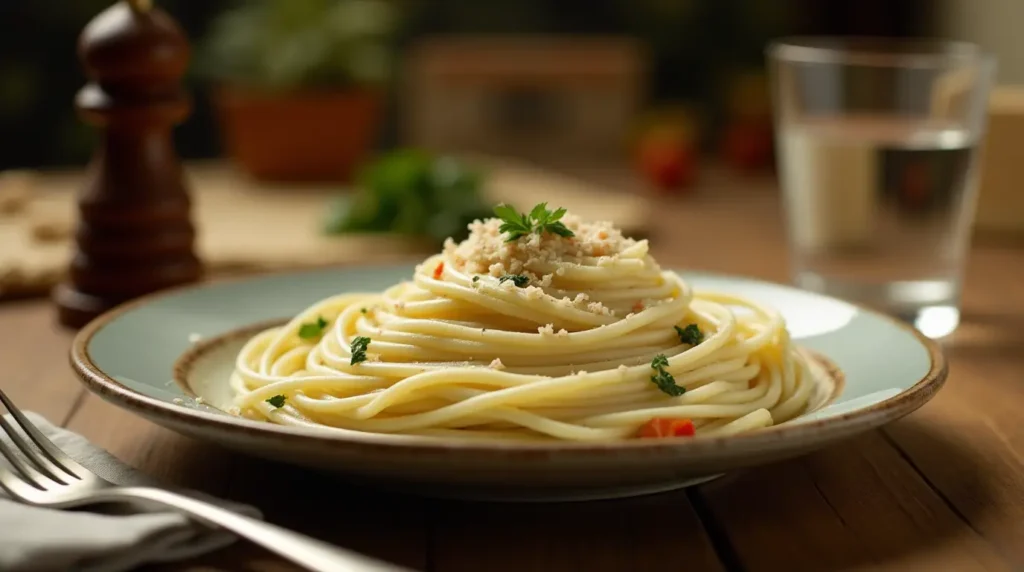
{"points": [[878, 51]]}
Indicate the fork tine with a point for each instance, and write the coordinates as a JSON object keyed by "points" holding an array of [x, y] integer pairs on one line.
{"points": [[67, 464], [30, 475], [40, 461], [16, 487]]}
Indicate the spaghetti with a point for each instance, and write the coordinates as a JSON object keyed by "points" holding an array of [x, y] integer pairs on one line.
{"points": [[570, 333]]}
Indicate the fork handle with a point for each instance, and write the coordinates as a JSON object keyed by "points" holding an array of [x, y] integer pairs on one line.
{"points": [[298, 548]]}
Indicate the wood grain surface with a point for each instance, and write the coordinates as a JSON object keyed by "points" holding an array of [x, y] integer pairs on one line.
{"points": [[942, 489]]}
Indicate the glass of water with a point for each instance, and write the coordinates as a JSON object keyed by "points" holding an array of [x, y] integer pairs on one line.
{"points": [[877, 153]]}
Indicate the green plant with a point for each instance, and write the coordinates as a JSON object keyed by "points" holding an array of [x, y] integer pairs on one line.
{"points": [[413, 193], [301, 44]]}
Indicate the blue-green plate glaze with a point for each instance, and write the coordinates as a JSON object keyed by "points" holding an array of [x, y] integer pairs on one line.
{"points": [[167, 357]]}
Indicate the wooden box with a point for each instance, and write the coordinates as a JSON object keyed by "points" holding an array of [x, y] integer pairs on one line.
{"points": [[1000, 206], [527, 97]]}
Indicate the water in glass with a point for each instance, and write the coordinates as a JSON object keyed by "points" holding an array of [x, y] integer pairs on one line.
{"points": [[879, 211]]}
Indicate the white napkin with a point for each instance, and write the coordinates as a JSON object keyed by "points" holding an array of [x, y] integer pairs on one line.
{"points": [[42, 539]]}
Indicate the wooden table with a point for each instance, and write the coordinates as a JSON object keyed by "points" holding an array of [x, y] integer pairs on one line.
{"points": [[942, 489]]}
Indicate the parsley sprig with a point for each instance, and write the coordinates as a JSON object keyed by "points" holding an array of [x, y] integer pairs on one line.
{"points": [[358, 348], [311, 330], [518, 279], [691, 334], [277, 401], [663, 379], [539, 221]]}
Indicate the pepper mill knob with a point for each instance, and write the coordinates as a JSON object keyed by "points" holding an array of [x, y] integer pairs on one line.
{"points": [[134, 234]]}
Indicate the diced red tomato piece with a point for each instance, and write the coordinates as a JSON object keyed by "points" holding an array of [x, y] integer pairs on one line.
{"points": [[666, 427]]}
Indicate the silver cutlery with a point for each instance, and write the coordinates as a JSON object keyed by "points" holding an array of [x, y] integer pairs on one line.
{"points": [[51, 479]]}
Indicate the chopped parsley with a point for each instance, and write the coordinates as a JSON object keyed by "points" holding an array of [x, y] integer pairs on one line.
{"points": [[363, 310], [690, 334], [663, 379], [476, 279], [358, 349], [311, 330], [277, 401], [539, 221], [518, 279]]}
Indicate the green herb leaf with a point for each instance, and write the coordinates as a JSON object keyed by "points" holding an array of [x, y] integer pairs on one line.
{"points": [[539, 221], [277, 401], [311, 330], [358, 349], [363, 310], [507, 213], [691, 334], [476, 279], [518, 279], [515, 224], [663, 379], [540, 213], [667, 384], [549, 221], [559, 229]]}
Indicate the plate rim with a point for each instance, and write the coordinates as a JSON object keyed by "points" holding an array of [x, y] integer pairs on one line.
{"points": [[102, 384]]}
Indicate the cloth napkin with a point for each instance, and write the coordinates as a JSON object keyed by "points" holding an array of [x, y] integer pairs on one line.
{"points": [[40, 539]]}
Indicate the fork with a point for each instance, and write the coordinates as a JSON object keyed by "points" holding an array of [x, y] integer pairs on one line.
{"points": [[52, 479]]}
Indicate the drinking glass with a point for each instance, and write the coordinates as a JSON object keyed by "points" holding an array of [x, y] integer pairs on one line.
{"points": [[877, 153]]}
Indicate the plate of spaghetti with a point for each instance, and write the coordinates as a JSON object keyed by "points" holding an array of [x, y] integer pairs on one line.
{"points": [[543, 357]]}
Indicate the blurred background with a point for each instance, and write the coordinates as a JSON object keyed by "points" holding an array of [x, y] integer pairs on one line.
{"points": [[694, 64], [699, 59], [361, 93]]}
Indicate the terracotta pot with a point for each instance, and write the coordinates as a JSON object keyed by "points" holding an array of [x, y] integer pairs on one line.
{"points": [[319, 136]]}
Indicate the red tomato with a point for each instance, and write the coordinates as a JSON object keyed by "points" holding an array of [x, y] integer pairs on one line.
{"points": [[665, 427], [748, 146], [667, 163]]}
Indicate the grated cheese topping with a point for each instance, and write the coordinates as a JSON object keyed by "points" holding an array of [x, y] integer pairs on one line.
{"points": [[533, 292], [485, 251], [549, 330], [542, 258]]}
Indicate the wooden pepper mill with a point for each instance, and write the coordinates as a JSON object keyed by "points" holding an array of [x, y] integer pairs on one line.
{"points": [[134, 232]]}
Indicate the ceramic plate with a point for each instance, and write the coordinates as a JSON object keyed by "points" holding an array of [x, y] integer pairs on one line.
{"points": [[167, 357]]}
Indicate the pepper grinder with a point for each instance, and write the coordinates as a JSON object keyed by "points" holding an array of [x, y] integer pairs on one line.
{"points": [[134, 233]]}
